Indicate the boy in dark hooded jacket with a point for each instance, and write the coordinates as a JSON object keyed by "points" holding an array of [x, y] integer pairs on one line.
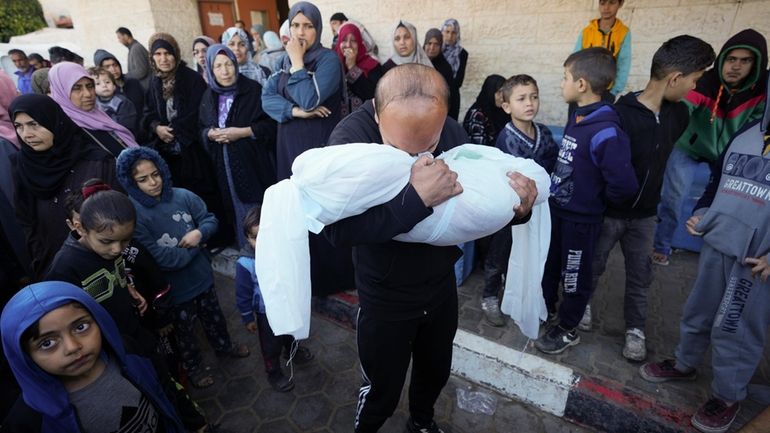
{"points": [[653, 119], [727, 97]]}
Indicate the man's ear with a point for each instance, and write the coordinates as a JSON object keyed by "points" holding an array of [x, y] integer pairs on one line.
{"points": [[674, 79]]}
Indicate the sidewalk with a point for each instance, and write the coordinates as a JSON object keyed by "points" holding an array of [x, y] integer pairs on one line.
{"points": [[590, 384]]}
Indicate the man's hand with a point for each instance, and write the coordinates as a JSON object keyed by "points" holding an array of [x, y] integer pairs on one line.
{"points": [[433, 181], [191, 239], [165, 133], [760, 267], [691, 223], [526, 188]]}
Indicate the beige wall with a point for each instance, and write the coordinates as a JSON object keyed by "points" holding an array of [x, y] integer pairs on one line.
{"points": [[535, 36]]}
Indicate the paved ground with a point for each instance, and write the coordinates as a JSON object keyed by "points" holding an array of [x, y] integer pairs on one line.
{"points": [[599, 354], [325, 394]]}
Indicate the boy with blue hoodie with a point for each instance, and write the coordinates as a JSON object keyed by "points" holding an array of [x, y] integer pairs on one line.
{"points": [[174, 224], [593, 166], [75, 371]]}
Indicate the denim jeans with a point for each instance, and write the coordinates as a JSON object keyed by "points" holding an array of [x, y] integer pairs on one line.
{"points": [[680, 172], [635, 237]]}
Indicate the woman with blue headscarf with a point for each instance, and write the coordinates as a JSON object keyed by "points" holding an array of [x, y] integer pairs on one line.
{"points": [[457, 57], [238, 135], [306, 98]]}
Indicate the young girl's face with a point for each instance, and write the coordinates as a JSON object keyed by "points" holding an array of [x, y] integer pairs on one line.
{"points": [[523, 103], [252, 236], [403, 42], [148, 178], [105, 89], [68, 346], [108, 243]]}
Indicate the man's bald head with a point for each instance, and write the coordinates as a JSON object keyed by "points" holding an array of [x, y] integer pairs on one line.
{"points": [[411, 105], [410, 82]]}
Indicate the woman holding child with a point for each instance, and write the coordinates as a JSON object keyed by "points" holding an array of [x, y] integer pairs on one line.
{"points": [[238, 135], [74, 90], [56, 157]]}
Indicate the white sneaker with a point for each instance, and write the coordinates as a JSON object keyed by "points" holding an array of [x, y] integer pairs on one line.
{"points": [[636, 347], [586, 322]]}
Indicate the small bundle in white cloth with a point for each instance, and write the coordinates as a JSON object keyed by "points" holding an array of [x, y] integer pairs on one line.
{"points": [[333, 183]]}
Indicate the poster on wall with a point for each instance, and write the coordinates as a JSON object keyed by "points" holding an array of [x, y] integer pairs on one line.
{"points": [[216, 19]]}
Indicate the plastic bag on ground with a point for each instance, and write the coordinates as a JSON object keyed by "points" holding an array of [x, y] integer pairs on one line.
{"points": [[476, 401]]}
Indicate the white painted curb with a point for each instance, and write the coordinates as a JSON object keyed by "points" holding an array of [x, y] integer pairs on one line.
{"points": [[515, 374]]}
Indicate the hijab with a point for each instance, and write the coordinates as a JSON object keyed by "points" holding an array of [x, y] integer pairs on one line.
{"points": [[7, 94], [211, 54], [311, 12], [42, 173], [364, 61], [272, 41], [40, 84], [418, 55], [232, 32], [434, 34], [452, 52], [62, 77], [168, 79], [485, 102]]}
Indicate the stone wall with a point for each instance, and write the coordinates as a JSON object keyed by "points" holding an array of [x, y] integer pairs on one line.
{"points": [[535, 36]]}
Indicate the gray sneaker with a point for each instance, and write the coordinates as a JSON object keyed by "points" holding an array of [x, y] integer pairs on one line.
{"points": [[492, 312], [635, 348], [586, 322]]}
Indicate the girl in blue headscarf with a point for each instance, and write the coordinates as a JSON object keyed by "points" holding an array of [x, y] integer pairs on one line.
{"points": [[238, 135], [306, 97], [75, 372]]}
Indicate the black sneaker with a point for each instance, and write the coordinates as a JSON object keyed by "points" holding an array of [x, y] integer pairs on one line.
{"points": [[413, 427], [279, 382], [557, 340]]}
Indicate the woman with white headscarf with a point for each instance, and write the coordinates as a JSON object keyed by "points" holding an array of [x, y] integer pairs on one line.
{"points": [[238, 42], [457, 57], [405, 47]]}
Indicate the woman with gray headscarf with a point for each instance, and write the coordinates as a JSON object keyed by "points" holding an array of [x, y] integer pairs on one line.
{"points": [[406, 49], [238, 42], [272, 55], [432, 46], [456, 55]]}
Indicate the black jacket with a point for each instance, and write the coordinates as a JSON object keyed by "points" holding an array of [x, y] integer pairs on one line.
{"points": [[188, 89], [445, 69], [251, 160], [395, 280], [652, 139]]}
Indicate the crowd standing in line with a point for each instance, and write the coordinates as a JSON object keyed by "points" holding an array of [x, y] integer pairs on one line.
{"points": [[162, 131]]}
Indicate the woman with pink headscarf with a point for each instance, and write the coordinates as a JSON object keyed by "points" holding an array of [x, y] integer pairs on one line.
{"points": [[362, 71], [73, 89]]}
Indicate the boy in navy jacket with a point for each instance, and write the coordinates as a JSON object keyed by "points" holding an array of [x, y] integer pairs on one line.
{"points": [[593, 166]]}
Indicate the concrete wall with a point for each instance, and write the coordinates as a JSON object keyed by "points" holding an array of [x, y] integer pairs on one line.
{"points": [[535, 36]]}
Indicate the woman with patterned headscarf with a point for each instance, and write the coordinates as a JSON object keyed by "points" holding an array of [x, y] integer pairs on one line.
{"points": [[171, 120], [456, 55], [406, 49], [306, 99], [237, 40]]}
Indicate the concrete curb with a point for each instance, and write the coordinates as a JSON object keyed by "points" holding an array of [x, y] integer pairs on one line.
{"points": [[552, 387]]}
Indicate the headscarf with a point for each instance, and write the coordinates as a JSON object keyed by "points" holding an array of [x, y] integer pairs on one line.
{"points": [[418, 55], [7, 94], [211, 54], [168, 79], [364, 61], [485, 101], [233, 31], [40, 84], [260, 29], [311, 12], [40, 390], [433, 34], [272, 41], [452, 52], [62, 77], [366, 37], [42, 173], [285, 30], [207, 41]]}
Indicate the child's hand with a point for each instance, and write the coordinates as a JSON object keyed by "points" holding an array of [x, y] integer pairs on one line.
{"points": [[761, 267], [251, 327], [191, 240], [691, 223], [139, 301]]}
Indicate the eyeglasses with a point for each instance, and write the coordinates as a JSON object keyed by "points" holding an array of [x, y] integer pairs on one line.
{"points": [[743, 60]]}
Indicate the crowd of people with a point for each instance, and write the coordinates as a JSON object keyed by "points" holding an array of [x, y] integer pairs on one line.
{"points": [[118, 186]]}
